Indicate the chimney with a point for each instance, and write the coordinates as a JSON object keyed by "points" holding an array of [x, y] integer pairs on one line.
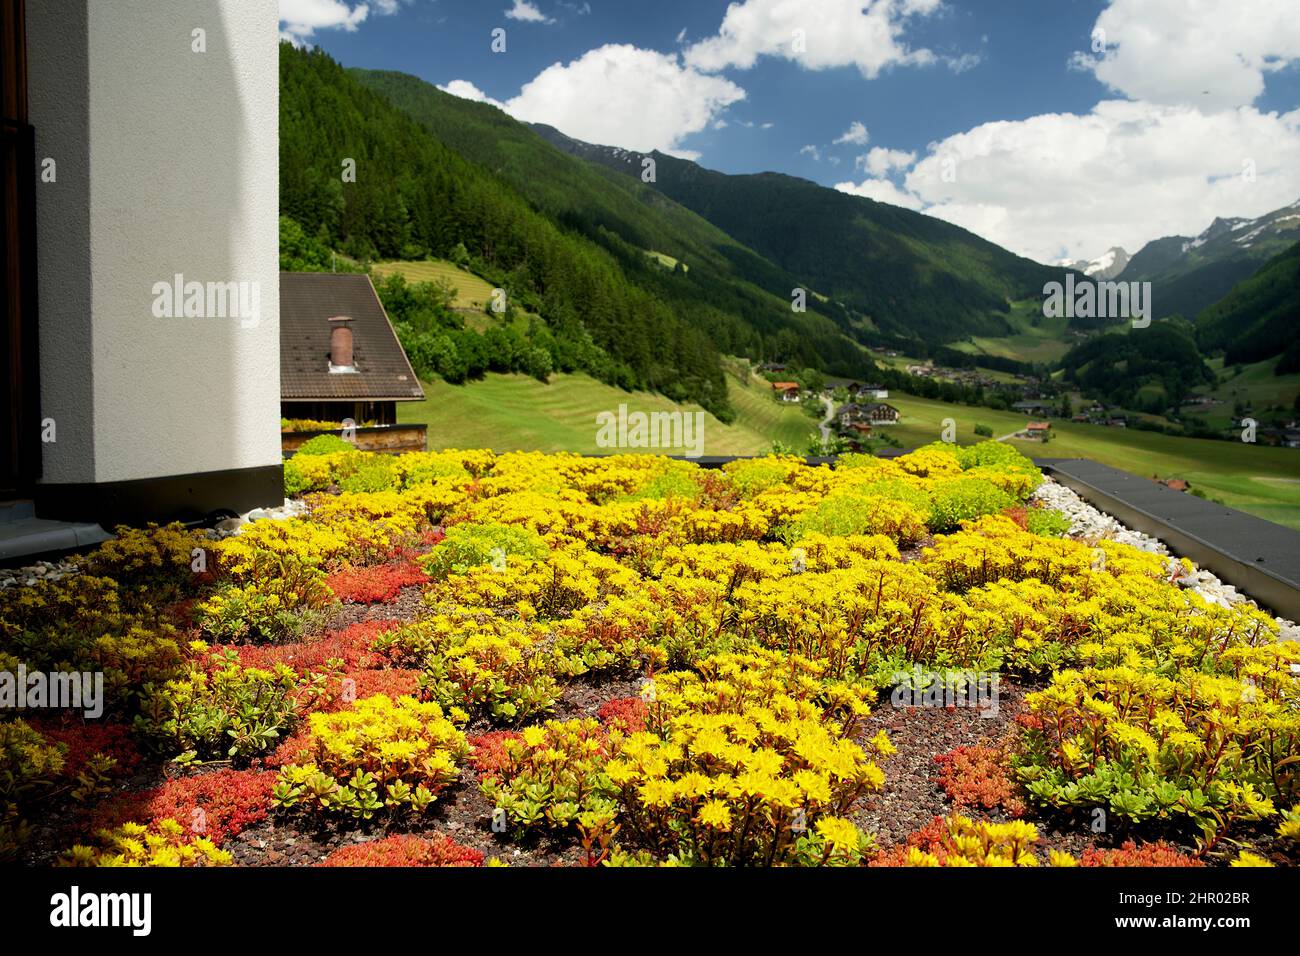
{"points": [[341, 344]]}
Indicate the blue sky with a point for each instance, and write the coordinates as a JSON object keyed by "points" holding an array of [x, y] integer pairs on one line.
{"points": [[1055, 147], [904, 108]]}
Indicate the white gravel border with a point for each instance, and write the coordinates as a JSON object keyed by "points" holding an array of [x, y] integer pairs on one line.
{"points": [[1088, 523]]}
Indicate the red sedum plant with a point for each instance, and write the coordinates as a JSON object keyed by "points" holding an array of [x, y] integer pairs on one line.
{"points": [[215, 805], [375, 585], [1159, 853], [403, 850], [625, 714], [977, 777]]}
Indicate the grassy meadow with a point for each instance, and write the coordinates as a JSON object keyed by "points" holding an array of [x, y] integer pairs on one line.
{"points": [[1257, 387], [472, 292], [508, 412], [1034, 337]]}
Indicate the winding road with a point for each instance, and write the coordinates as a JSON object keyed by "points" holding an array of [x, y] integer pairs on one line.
{"points": [[825, 425]]}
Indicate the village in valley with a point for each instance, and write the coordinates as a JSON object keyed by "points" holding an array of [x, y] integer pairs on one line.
{"points": [[859, 411]]}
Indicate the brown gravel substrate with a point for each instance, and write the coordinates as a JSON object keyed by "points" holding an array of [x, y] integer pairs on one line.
{"points": [[913, 551], [585, 695], [911, 797]]}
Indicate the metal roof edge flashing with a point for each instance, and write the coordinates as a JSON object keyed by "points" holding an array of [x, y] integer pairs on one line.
{"points": [[1259, 557]]}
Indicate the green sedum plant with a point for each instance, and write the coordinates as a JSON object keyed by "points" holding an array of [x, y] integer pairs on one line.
{"points": [[29, 768], [225, 710], [469, 546]]}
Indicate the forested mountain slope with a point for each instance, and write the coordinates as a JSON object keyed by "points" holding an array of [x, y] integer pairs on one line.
{"points": [[1260, 317]]}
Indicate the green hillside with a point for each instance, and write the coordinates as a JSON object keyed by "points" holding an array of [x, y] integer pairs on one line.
{"points": [[1146, 369], [414, 197], [1259, 318]]}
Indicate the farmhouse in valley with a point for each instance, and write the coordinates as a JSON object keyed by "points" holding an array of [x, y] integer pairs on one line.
{"points": [[856, 389], [786, 391], [1037, 431], [871, 413], [339, 356]]}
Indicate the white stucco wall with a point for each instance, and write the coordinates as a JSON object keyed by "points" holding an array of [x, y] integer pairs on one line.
{"points": [[182, 178]]}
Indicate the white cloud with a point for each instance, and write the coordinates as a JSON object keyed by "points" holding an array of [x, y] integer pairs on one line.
{"points": [[620, 95], [527, 12], [967, 61], [855, 134], [1213, 54], [468, 91], [812, 151], [816, 34], [879, 161], [1166, 161], [1065, 185], [881, 190], [300, 19]]}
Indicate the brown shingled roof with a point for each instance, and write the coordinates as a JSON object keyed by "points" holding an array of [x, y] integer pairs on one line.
{"points": [[307, 300]]}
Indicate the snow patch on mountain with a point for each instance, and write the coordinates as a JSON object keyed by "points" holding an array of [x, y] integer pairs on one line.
{"points": [[1106, 266]]}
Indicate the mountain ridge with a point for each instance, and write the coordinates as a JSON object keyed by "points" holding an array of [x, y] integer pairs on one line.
{"points": [[1108, 265], [931, 279], [1190, 273]]}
